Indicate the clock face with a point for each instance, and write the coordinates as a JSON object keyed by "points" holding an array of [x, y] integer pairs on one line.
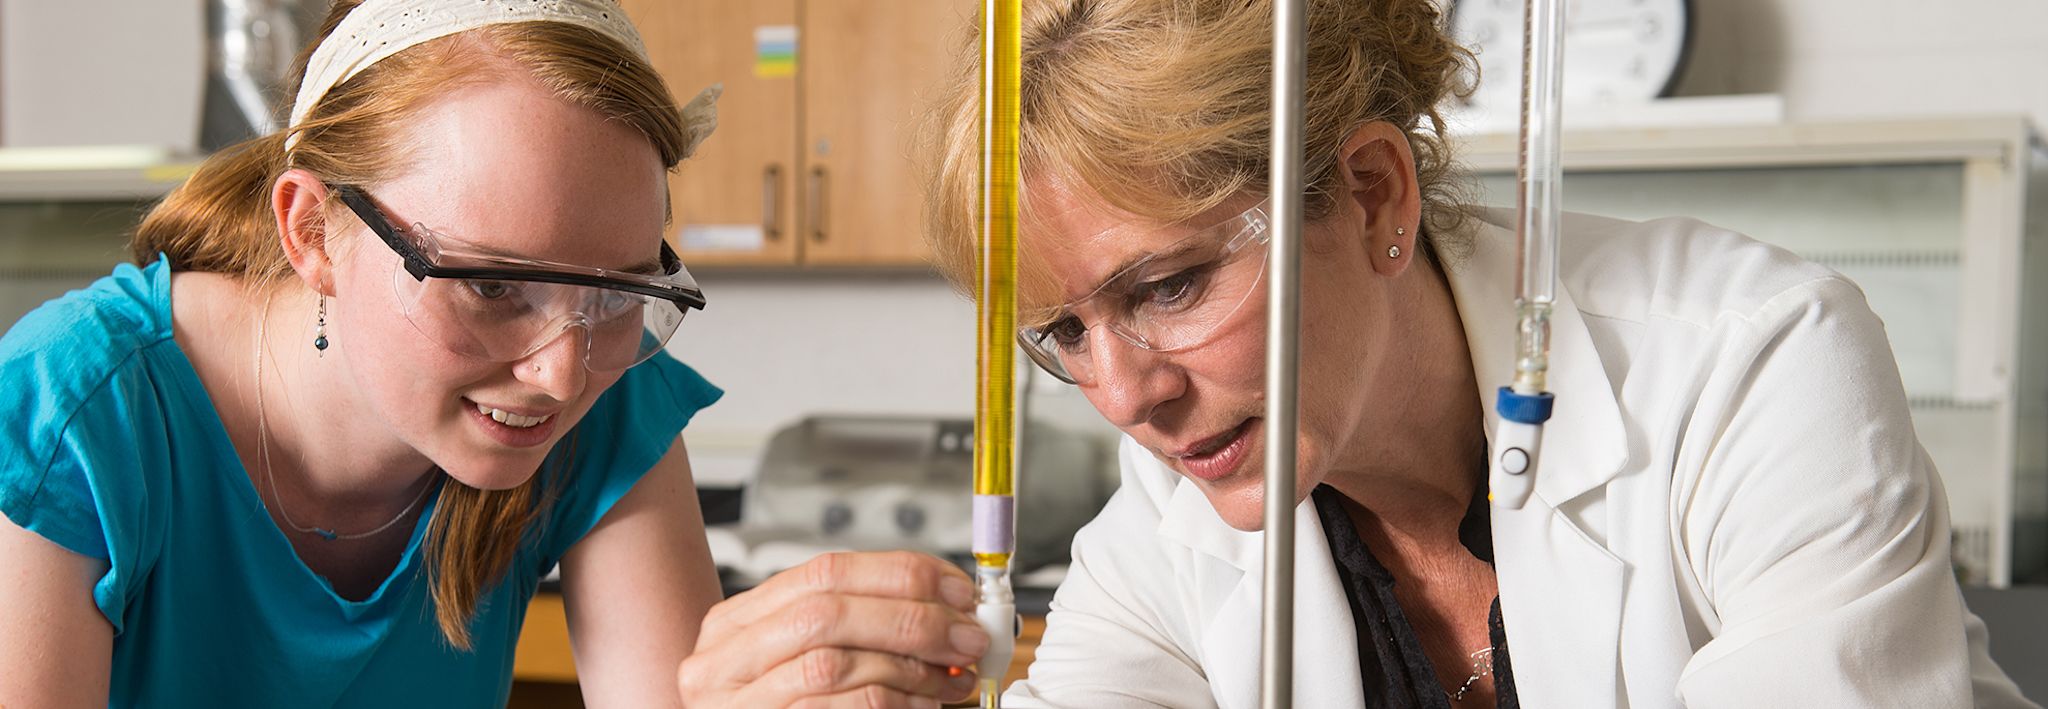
{"points": [[1615, 50]]}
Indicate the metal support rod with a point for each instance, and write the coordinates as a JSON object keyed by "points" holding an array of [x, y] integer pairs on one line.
{"points": [[1276, 642]]}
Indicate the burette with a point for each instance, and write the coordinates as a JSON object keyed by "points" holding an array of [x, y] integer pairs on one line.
{"points": [[995, 482], [1525, 404]]}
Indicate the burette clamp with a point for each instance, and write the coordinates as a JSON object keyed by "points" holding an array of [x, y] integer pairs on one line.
{"points": [[1517, 446]]}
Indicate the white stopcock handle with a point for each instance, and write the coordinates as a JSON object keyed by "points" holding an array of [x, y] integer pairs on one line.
{"points": [[1516, 448], [997, 611]]}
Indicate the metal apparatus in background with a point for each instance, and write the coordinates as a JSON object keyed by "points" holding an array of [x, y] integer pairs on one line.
{"points": [[874, 482], [995, 502], [253, 42]]}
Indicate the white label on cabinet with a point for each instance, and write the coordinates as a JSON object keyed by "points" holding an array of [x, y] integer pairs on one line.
{"points": [[722, 237]]}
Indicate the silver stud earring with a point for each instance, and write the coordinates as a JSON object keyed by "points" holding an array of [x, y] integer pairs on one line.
{"points": [[1393, 252], [320, 329], [1400, 231]]}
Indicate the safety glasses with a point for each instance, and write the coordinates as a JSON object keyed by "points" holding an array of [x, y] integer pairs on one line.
{"points": [[502, 308], [1173, 299]]}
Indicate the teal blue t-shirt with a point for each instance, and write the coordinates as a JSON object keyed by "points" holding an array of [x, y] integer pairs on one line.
{"points": [[112, 448]]}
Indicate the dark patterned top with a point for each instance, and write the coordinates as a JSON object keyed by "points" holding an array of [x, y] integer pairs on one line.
{"points": [[1396, 672]]}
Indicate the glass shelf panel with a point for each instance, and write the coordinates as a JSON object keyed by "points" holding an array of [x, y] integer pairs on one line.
{"points": [[1893, 229]]}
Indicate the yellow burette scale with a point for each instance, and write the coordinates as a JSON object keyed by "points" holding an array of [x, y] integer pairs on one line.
{"points": [[995, 481]]}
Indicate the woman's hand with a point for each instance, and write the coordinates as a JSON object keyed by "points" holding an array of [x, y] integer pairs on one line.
{"points": [[855, 629]]}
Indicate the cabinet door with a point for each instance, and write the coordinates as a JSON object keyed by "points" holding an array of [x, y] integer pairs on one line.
{"points": [[734, 202], [869, 68]]}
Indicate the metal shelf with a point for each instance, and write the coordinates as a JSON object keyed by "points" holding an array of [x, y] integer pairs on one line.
{"points": [[1951, 243], [1935, 140], [91, 173]]}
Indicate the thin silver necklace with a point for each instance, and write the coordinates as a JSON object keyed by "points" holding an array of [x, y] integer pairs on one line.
{"points": [[1482, 665], [263, 457]]}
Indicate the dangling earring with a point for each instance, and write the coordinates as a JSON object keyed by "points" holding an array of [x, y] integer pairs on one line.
{"points": [[320, 329]]}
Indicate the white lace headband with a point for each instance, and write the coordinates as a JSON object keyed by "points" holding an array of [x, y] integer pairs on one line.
{"points": [[378, 29]]}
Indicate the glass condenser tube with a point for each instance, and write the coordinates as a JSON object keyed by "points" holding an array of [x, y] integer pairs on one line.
{"points": [[995, 501]]}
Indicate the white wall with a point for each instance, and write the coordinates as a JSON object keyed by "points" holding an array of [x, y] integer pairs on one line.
{"points": [[83, 72], [787, 345], [1845, 59]]}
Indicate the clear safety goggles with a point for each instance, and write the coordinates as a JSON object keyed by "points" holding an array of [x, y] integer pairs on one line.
{"points": [[502, 309], [1170, 300]]}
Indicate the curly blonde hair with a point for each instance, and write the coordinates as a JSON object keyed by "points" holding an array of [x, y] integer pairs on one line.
{"points": [[1160, 108]]}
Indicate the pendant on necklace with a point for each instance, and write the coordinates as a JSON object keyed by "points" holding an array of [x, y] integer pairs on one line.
{"points": [[327, 534]]}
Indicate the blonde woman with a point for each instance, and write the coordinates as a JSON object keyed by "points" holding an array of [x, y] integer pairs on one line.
{"points": [[1733, 509], [371, 378]]}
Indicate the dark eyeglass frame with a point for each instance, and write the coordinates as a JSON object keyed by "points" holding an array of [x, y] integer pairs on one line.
{"points": [[421, 267]]}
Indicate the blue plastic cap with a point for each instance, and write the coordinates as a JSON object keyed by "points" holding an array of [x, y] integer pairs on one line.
{"points": [[1523, 408]]}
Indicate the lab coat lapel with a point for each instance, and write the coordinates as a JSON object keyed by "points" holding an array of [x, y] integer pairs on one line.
{"points": [[1561, 591], [1325, 642]]}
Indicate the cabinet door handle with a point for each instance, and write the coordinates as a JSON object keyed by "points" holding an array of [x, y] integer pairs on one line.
{"points": [[771, 201], [817, 204]]}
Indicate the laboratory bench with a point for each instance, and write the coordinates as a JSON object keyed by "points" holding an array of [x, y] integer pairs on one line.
{"points": [[545, 675]]}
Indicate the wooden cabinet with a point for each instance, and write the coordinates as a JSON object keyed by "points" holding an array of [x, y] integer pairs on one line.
{"points": [[814, 166], [740, 178], [871, 66]]}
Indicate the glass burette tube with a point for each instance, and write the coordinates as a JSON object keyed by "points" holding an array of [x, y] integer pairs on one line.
{"points": [[1525, 404], [995, 489]]}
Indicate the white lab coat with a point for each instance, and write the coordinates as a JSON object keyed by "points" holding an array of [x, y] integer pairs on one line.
{"points": [[1732, 511]]}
